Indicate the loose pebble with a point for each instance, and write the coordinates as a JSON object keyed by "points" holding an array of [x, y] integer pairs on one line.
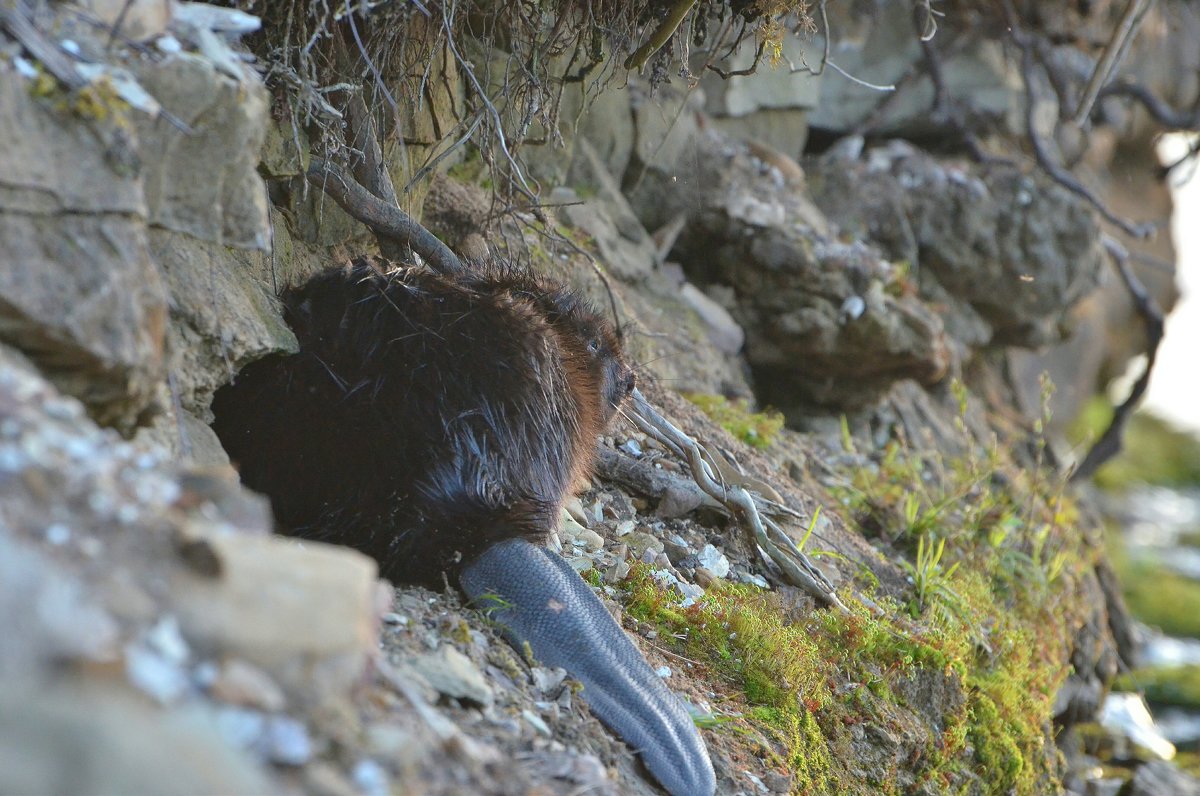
{"points": [[286, 741], [454, 675], [152, 674], [714, 561], [58, 534], [371, 778], [240, 683], [536, 722]]}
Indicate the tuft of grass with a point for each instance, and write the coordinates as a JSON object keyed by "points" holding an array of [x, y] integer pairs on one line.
{"points": [[756, 429], [993, 551], [929, 577], [739, 631], [960, 678], [806, 684]]}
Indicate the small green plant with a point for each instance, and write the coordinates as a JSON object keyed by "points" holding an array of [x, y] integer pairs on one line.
{"points": [[929, 578], [986, 532], [756, 429]]}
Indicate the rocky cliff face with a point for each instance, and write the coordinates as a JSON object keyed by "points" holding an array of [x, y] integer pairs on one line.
{"points": [[888, 298]]}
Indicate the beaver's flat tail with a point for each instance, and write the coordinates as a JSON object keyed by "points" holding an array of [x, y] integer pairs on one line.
{"points": [[538, 599]]}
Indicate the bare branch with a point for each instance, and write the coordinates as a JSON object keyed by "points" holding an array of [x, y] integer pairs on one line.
{"points": [[660, 35], [860, 81], [748, 509], [18, 23], [1160, 111], [741, 72], [386, 221], [1109, 443], [1056, 172], [1114, 53]]}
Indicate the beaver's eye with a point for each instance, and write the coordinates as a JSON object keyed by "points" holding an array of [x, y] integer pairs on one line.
{"points": [[593, 346]]}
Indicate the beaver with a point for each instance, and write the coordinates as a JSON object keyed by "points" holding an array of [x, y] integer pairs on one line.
{"points": [[436, 423], [425, 418]]}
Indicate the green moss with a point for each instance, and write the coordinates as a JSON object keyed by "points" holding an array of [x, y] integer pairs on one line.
{"points": [[754, 428], [1010, 705], [1167, 685], [992, 551], [807, 683], [1153, 450], [1189, 762], [959, 676], [97, 101], [740, 633]]}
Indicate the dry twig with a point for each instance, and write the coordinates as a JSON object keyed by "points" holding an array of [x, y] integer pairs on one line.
{"points": [[748, 509], [386, 221], [1059, 174], [17, 21], [1109, 443], [1114, 53]]}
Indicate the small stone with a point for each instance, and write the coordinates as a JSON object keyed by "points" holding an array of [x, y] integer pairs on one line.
{"points": [[676, 549], [778, 783], [536, 722], [632, 447], [240, 683], [58, 534], [1126, 716], [617, 572], [154, 675], [276, 603], [625, 528], [371, 778], [690, 591], [324, 779], [388, 739], [547, 680], [714, 561], [286, 741], [395, 619], [574, 508], [586, 772], [753, 579], [580, 563], [759, 785], [592, 540], [165, 639], [569, 530], [665, 577], [454, 675], [663, 671], [641, 542]]}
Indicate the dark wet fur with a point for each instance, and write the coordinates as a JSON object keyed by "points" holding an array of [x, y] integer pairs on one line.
{"points": [[425, 418]]}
